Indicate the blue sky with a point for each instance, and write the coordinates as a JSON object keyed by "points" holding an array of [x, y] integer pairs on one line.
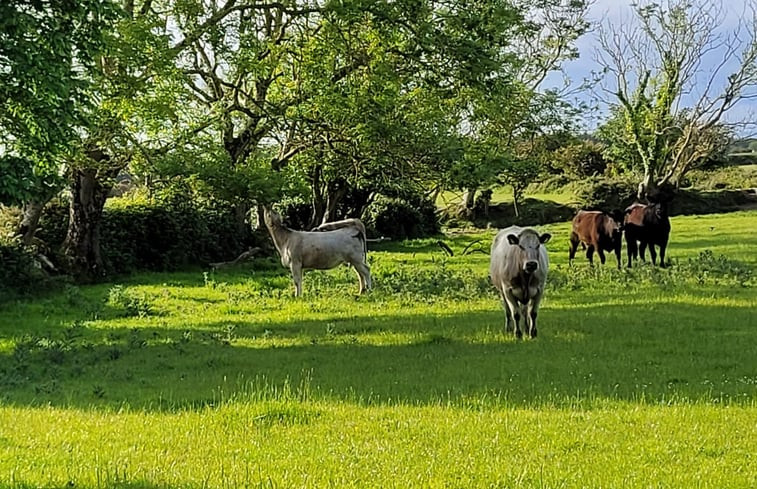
{"points": [[618, 12]]}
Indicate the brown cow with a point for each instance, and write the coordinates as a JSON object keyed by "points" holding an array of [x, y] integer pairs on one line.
{"points": [[600, 231], [647, 225]]}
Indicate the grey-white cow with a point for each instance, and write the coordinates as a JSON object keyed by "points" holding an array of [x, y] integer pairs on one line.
{"points": [[518, 270], [352, 222], [319, 250]]}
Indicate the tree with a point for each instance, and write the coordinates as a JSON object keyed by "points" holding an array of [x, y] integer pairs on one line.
{"points": [[580, 159], [665, 88], [46, 49], [127, 86], [510, 106]]}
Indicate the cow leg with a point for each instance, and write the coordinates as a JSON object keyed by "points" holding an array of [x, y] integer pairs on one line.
{"points": [[642, 248], [617, 255], [296, 269], [653, 253], [363, 275], [514, 308], [573, 247], [508, 326], [601, 254], [590, 254], [533, 309], [630, 250], [662, 254]]}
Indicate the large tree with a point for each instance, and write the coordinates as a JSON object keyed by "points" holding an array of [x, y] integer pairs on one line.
{"points": [[46, 50], [127, 89], [511, 106], [674, 74], [367, 84]]}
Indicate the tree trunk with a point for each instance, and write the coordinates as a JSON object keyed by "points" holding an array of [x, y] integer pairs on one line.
{"points": [[335, 195], [646, 187], [467, 204], [469, 199], [240, 217], [30, 221], [81, 248], [516, 198], [359, 202], [318, 203]]}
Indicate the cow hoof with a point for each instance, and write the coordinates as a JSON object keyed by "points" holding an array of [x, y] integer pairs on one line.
{"points": [[533, 333], [518, 334]]}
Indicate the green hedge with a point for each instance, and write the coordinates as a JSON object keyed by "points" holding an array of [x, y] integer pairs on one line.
{"points": [[398, 218], [18, 269], [163, 235], [618, 194]]}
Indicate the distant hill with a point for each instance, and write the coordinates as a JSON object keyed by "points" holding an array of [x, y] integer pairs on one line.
{"points": [[741, 146]]}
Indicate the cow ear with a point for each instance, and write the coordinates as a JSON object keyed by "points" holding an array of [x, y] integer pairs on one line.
{"points": [[544, 238], [512, 239]]}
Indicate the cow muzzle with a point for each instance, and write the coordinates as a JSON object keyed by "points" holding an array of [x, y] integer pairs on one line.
{"points": [[531, 266]]}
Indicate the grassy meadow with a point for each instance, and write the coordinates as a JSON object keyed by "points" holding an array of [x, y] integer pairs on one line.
{"points": [[640, 378]]}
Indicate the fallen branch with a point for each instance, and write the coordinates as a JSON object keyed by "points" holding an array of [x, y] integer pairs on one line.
{"points": [[446, 248], [244, 256], [465, 251]]}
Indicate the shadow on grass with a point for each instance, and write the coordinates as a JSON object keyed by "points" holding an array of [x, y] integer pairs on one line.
{"points": [[660, 352]]}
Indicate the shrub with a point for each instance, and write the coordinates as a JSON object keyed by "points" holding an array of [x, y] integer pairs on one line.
{"points": [[413, 217], [551, 183], [297, 214], [158, 234], [583, 159], [18, 268], [605, 194], [689, 201], [729, 177]]}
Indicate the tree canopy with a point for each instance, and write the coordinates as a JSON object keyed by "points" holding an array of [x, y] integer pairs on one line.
{"points": [[666, 97]]}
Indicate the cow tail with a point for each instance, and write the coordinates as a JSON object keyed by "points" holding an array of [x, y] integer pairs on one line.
{"points": [[361, 236]]}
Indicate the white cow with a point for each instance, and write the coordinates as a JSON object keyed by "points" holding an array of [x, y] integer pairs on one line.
{"points": [[352, 222], [319, 250], [518, 270]]}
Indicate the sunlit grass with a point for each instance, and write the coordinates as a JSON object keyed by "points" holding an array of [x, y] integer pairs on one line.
{"points": [[638, 379]]}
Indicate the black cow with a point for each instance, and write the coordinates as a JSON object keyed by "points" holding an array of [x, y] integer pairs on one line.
{"points": [[647, 225]]}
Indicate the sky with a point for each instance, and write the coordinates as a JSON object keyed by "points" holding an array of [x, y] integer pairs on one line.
{"points": [[620, 12]]}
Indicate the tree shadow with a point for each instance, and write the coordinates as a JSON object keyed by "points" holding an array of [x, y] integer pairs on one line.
{"points": [[661, 352]]}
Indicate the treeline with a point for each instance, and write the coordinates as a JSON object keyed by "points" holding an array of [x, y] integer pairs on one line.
{"points": [[327, 108]]}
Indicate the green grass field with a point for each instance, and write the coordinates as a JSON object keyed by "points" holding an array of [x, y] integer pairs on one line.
{"points": [[641, 378]]}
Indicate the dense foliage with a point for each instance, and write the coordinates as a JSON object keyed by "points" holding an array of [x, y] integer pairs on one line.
{"points": [[154, 234], [19, 270], [402, 218], [45, 51]]}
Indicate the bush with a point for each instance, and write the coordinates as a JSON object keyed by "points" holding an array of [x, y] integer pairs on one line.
{"points": [[396, 218], [606, 194], [297, 214], [689, 201], [18, 268], [164, 234], [531, 212], [729, 177], [584, 159], [551, 183]]}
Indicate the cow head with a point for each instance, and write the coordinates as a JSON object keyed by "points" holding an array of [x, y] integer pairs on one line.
{"points": [[529, 242], [615, 223], [271, 217]]}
